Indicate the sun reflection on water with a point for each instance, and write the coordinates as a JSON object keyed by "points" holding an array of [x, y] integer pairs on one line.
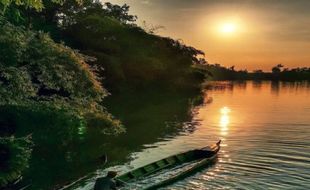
{"points": [[224, 120], [225, 110]]}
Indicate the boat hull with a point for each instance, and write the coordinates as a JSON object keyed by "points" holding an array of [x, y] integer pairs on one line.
{"points": [[203, 155], [197, 167]]}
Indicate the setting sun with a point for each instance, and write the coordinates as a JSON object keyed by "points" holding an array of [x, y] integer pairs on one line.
{"points": [[228, 28]]}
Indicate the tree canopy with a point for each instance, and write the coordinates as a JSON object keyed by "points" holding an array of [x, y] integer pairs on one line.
{"points": [[36, 70], [38, 5]]}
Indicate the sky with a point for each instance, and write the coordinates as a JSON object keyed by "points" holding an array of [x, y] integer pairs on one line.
{"points": [[249, 34]]}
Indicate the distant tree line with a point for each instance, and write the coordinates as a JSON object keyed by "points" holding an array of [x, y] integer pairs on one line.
{"points": [[278, 72]]}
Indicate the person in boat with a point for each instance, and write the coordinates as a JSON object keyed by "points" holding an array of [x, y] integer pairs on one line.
{"points": [[106, 183]]}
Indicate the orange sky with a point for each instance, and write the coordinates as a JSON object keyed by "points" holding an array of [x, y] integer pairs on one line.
{"points": [[268, 32]]}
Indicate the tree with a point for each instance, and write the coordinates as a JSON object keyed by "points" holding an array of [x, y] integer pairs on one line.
{"points": [[35, 4], [277, 69], [151, 29], [16, 11], [35, 71], [232, 68], [258, 71], [121, 13]]}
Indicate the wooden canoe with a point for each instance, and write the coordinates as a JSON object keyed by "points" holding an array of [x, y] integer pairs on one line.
{"points": [[206, 154]]}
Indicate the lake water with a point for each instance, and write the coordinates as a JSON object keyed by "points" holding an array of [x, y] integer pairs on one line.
{"points": [[264, 126]]}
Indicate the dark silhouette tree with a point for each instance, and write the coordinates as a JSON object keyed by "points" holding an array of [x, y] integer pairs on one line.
{"points": [[120, 13], [277, 69]]}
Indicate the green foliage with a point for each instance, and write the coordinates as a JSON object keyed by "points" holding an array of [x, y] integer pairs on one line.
{"points": [[129, 56], [126, 54], [104, 123], [68, 13], [119, 12], [36, 71], [39, 76], [16, 11], [15, 154], [32, 62], [37, 5]]}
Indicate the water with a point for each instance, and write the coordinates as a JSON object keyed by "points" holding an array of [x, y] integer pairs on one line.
{"points": [[265, 129], [62, 153]]}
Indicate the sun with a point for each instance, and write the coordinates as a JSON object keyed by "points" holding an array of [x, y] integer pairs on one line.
{"points": [[228, 28]]}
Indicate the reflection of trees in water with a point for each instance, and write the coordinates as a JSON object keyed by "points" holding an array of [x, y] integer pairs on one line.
{"points": [[241, 85], [62, 153], [7, 124], [257, 84], [51, 133], [226, 85], [300, 84], [291, 86], [275, 87], [219, 85], [152, 115]]}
